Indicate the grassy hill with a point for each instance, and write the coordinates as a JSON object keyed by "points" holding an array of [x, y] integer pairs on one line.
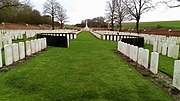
{"points": [[155, 25]]}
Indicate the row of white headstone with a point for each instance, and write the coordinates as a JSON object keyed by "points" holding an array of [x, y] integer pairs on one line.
{"points": [[171, 50], [140, 55], [150, 39], [96, 34], [18, 51], [18, 34]]}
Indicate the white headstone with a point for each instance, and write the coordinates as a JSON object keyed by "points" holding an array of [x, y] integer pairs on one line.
{"points": [[170, 50], [140, 53], [33, 47], [135, 54], [176, 75], [1, 44], [45, 42], [131, 51], [42, 43], [175, 52], [159, 47], [21, 50], [68, 41], [145, 58], [155, 46], [28, 48], [8, 55], [128, 50], [154, 62], [1, 64], [15, 52], [164, 49], [39, 45]]}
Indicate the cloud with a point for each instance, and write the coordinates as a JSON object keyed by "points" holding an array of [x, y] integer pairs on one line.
{"points": [[78, 10]]}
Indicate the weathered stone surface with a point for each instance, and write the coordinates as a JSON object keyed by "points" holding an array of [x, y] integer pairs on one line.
{"points": [[176, 75], [15, 52], [8, 55], [154, 62]]}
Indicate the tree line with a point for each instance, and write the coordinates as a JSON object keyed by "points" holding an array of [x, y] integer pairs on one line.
{"points": [[123, 10], [14, 11], [98, 22]]}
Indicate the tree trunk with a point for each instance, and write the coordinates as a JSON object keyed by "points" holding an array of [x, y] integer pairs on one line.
{"points": [[120, 26], [112, 24], [61, 25], [53, 22], [137, 25]]}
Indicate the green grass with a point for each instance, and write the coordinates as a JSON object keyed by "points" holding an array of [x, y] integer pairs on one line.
{"points": [[155, 25], [69, 26], [87, 71], [166, 64]]}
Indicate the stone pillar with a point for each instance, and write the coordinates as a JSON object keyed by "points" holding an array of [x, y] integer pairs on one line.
{"points": [[154, 62], [15, 52]]}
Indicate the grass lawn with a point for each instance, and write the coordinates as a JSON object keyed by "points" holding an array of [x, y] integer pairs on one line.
{"points": [[87, 71], [161, 24], [166, 64]]}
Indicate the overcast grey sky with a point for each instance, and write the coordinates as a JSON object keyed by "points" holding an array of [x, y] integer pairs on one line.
{"points": [[78, 10]]}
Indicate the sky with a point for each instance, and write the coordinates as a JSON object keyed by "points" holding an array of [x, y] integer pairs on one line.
{"points": [[78, 10]]}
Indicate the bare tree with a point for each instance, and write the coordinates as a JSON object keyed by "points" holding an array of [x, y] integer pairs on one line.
{"points": [[137, 8], [61, 16], [110, 8], [12, 3], [50, 7], [121, 12], [171, 3]]}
